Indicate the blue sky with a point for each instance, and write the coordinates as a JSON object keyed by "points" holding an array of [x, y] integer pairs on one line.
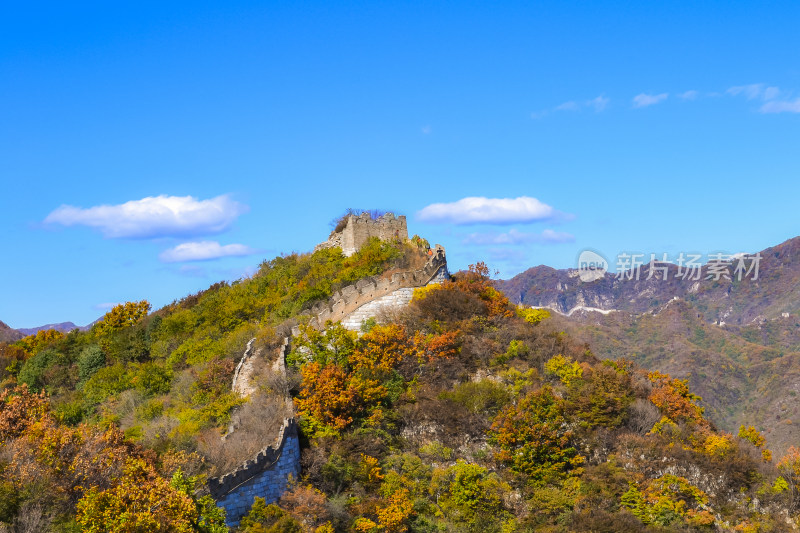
{"points": [[150, 149]]}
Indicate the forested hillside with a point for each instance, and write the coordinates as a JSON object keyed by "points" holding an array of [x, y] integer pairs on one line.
{"points": [[459, 413]]}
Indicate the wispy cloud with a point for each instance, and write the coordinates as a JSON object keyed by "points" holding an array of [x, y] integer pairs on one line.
{"points": [[788, 106], [774, 99], [154, 216], [203, 251], [481, 210], [507, 255], [755, 91], [568, 106], [426, 130], [192, 271], [646, 100], [777, 106], [105, 306], [597, 104], [514, 237]]}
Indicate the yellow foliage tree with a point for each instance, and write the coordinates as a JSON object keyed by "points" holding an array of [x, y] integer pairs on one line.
{"points": [[531, 315], [121, 316], [566, 369], [140, 501], [393, 516], [33, 343]]}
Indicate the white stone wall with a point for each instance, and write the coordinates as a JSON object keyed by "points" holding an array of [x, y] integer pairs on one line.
{"points": [[394, 300]]}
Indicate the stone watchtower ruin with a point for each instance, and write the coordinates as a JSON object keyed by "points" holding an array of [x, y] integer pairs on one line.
{"points": [[359, 229]]}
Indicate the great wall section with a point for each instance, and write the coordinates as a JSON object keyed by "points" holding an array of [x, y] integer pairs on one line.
{"points": [[267, 475]]}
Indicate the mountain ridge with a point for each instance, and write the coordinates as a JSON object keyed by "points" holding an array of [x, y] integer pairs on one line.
{"points": [[740, 302]]}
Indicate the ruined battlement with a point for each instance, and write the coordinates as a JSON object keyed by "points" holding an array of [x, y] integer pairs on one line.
{"points": [[359, 229]]}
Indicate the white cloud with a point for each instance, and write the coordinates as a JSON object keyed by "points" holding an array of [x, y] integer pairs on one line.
{"points": [[568, 106], [599, 103], [506, 255], [154, 216], [770, 93], [513, 237], [106, 306], [645, 100], [192, 271], [426, 130], [755, 91], [481, 210], [203, 251], [771, 96], [552, 236], [750, 92], [689, 95], [777, 106]]}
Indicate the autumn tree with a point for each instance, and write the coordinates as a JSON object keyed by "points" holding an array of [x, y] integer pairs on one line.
{"points": [[467, 492], [141, 500], [532, 438], [33, 343], [675, 400], [19, 408], [476, 280], [789, 467], [122, 316], [754, 437]]}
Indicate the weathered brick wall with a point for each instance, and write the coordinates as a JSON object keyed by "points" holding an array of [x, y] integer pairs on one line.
{"points": [[265, 476]]}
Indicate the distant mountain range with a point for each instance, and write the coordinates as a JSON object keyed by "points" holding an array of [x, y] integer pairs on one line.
{"points": [[9, 334], [64, 327], [776, 290], [736, 341]]}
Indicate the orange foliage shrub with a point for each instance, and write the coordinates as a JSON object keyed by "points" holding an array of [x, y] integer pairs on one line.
{"points": [[673, 398], [335, 392], [19, 408], [477, 281]]}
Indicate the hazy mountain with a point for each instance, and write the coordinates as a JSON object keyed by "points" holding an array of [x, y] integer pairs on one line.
{"points": [[64, 327]]}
